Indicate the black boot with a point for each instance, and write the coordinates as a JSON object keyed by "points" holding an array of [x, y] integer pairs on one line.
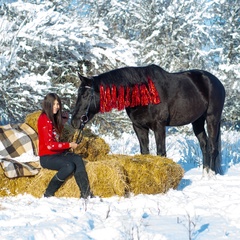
{"points": [[53, 186], [83, 184]]}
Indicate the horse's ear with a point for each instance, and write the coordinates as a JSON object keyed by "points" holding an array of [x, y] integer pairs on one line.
{"points": [[82, 78]]}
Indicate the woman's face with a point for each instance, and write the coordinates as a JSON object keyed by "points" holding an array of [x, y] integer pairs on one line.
{"points": [[55, 106]]}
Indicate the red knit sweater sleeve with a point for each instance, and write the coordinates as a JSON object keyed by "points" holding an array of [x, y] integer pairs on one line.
{"points": [[48, 143]]}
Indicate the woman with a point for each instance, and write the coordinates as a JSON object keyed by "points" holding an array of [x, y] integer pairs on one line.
{"points": [[53, 154]]}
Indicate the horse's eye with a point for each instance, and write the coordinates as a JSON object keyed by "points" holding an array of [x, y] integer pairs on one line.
{"points": [[83, 92]]}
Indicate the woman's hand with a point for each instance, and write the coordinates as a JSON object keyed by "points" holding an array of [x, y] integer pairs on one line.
{"points": [[73, 145]]}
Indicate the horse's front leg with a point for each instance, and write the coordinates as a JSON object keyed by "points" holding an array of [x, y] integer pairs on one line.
{"points": [[143, 138], [160, 138]]}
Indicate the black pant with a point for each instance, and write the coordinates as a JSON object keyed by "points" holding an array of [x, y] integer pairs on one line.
{"points": [[65, 163]]}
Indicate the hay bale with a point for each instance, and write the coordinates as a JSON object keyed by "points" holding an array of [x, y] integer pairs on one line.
{"points": [[21, 185], [37, 185], [92, 147], [151, 174], [175, 171], [112, 175], [32, 118], [106, 179]]}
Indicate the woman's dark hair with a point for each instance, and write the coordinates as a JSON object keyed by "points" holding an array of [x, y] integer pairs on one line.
{"points": [[47, 108]]}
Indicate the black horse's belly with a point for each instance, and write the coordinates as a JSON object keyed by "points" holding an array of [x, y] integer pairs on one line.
{"points": [[185, 114], [166, 115]]}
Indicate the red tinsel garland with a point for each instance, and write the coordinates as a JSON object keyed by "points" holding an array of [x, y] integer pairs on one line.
{"points": [[127, 96], [135, 101], [120, 98], [121, 102], [108, 99], [114, 96], [145, 95], [153, 91]]}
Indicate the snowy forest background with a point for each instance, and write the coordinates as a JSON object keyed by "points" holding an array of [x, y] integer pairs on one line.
{"points": [[43, 44], [50, 41]]}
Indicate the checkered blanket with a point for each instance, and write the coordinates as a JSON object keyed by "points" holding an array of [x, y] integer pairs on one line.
{"points": [[18, 141]]}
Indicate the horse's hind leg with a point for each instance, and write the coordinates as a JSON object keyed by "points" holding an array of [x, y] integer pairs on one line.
{"points": [[213, 127], [143, 138], [200, 133]]}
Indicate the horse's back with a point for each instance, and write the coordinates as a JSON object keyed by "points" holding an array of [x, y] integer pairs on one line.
{"points": [[191, 81], [129, 75], [187, 95]]}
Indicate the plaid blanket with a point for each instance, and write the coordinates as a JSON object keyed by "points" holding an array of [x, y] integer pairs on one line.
{"points": [[17, 141]]}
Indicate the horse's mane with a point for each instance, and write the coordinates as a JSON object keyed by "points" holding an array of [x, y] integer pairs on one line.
{"points": [[127, 87], [126, 76]]}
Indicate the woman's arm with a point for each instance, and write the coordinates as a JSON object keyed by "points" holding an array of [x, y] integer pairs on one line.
{"points": [[45, 132]]}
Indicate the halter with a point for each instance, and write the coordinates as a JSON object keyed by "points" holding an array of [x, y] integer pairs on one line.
{"points": [[84, 118]]}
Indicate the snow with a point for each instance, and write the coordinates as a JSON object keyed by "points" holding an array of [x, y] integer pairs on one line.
{"points": [[203, 206]]}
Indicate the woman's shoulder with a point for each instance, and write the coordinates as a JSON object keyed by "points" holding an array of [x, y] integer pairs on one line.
{"points": [[43, 118]]}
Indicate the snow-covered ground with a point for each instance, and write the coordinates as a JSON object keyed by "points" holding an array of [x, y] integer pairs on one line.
{"points": [[203, 207]]}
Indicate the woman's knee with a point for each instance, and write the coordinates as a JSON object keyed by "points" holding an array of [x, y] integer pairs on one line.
{"points": [[75, 158], [79, 162], [67, 170], [70, 167]]}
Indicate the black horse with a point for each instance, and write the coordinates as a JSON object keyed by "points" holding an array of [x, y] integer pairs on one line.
{"points": [[153, 99]]}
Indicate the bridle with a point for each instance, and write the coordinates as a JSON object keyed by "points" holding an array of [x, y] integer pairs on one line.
{"points": [[84, 117]]}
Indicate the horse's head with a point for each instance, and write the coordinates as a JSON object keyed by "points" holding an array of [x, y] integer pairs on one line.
{"points": [[87, 104]]}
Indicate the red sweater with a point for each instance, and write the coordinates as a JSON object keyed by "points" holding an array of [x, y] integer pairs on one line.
{"points": [[48, 143]]}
